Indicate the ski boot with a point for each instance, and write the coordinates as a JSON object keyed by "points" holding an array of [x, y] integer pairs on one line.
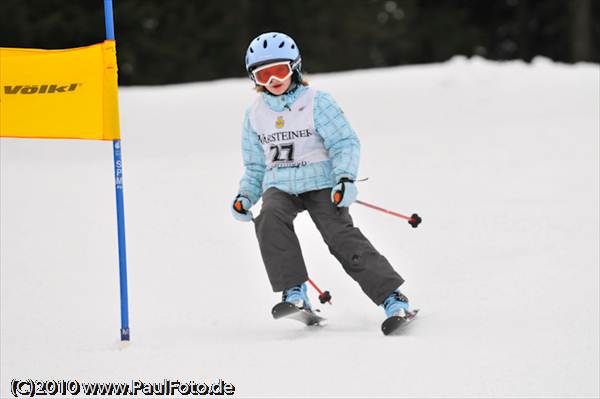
{"points": [[397, 312], [396, 304], [297, 297]]}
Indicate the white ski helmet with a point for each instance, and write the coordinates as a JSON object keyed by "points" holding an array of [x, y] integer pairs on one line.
{"points": [[272, 47]]}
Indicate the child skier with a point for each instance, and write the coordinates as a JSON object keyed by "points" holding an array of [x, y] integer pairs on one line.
{"points": [[299, 154]]}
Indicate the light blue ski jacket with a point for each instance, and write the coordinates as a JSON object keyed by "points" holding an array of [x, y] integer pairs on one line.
{"points": [[340, 141]]}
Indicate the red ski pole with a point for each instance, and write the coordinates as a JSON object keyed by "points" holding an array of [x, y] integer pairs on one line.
{"points": [[323, 296], [413, 220]]}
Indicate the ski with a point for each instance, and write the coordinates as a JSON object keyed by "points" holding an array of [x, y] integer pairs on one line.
{"points": [[289, 311], [394, 325]]}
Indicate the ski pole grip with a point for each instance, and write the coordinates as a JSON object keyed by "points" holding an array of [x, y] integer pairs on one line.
{"points": [[337, 197]]}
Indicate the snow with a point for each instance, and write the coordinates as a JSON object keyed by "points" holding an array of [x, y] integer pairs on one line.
{"points": [[500, 159]]}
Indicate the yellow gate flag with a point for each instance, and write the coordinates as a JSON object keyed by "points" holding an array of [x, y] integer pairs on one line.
{"points": [[60, 94]]}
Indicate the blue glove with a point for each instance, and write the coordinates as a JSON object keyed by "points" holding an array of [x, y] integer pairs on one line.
{"points": [[344, 193], [241, 208]]}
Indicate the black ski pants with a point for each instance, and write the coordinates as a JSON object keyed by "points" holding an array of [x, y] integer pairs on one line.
{"points": [[281, 252]]}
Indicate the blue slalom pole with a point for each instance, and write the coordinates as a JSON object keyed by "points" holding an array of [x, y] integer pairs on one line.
{"points": [[118, 163], [108, 20]]}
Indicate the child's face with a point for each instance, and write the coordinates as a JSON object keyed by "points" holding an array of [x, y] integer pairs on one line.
{"points": [[277, 88]]}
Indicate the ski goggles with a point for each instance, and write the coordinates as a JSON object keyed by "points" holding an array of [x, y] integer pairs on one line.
{"points": [[277, 71]]}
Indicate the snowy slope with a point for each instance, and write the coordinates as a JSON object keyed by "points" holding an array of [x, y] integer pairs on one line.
{"points": [[500, 160]]}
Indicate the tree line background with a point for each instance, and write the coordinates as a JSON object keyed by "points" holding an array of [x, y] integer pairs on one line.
{"points": [[173, 41]]}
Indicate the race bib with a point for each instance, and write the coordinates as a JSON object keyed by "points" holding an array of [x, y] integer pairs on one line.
{"points": [[288, 137]]}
